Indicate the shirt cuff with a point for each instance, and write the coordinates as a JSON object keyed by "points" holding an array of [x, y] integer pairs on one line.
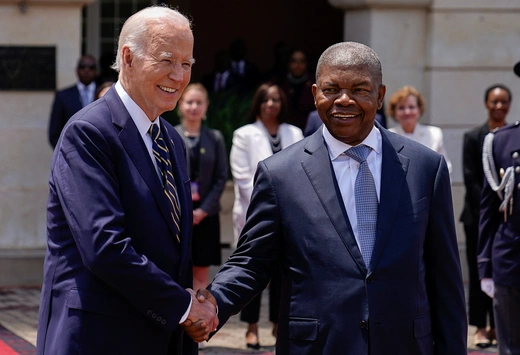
{"points": [[185, 316]]}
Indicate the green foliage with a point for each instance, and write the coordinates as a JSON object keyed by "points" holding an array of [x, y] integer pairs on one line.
{"points": [[227, 111]]}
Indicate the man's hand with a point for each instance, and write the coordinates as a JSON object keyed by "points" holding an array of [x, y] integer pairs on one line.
{"points": [[488, 286], [202, 319]]}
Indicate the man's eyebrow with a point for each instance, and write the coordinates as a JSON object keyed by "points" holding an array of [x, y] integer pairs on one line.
{"points": [[170, 55]]}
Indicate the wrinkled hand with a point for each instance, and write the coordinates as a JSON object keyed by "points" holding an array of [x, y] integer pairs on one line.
{"points": [[488, 286], [202, 319], [198, 215]]}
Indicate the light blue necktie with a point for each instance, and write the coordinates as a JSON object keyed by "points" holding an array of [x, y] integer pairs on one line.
{"points": [[366, 202]]}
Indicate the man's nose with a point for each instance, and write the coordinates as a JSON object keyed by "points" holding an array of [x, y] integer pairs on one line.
{"points": [[343, 98], [176, 72]]}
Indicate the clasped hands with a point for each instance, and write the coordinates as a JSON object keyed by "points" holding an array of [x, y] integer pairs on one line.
{"points": [[202, 319]]}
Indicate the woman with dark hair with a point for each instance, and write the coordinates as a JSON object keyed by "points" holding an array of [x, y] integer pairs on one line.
{"points": [[266, 134], [497, 99], [297, 86]]}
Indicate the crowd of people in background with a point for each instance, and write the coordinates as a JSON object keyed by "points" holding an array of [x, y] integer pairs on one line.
{"points": [[283, 111]]}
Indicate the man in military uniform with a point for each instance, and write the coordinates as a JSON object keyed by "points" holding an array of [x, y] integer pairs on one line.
{"points": [[499, 232]]}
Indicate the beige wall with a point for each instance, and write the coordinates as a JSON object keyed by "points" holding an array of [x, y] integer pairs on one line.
{"points": [[24, 151]]}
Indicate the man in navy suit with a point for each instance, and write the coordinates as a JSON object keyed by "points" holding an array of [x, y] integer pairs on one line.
{"points": [[499, 232], [70, 100], [408, 299], [118, 251]]}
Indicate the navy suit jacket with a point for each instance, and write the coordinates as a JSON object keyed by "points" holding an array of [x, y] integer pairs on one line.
{"points": [[498, 246], [114, 273], [66, 103], [408, 301]]}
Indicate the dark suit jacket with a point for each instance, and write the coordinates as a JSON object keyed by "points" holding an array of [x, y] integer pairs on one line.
{"points": [[499, 247], [408, 301], [473, 173], [213, 168], [66, 103], [114, 273]]}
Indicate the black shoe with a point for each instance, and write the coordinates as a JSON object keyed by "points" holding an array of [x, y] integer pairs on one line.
{"points": [[255, 346]]}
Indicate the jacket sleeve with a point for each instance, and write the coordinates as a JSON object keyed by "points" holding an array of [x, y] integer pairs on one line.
{"points": [[489, 222], [241, 164], [211, 203], [472, 165], [56, 120], [443, 271]]}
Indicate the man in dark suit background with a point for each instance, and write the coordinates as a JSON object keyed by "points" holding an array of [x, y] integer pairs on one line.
{"points": [[499, 233], [71, 99], [119, 212], [341, 294]]}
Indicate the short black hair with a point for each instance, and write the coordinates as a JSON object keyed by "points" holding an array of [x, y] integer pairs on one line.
{"points": [[498, 86]]}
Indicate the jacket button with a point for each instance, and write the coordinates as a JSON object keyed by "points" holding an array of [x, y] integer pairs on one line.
{"points": [[515, 155], [362, 324], [154, 315], [370, 280], [517, 169], [149, 312], [163, 322], [158, 318]]}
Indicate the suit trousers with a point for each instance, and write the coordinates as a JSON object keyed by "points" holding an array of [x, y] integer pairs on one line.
{"points": [[251, 313], [480, 305], [507, 319]]}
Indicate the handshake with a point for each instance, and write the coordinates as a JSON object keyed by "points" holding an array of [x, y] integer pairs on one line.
{"points": [[202, 319]]}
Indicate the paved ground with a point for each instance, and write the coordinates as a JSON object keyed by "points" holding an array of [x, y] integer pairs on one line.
{"points": [[19, 314]]}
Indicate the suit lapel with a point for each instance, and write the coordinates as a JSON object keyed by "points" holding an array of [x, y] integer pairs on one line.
{"points": [[320, 173], [138, 153], [393, 176]]}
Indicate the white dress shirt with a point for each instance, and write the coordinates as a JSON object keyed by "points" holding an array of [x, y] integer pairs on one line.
{"points": [[86, 92], [346, 169], [143, 125]]}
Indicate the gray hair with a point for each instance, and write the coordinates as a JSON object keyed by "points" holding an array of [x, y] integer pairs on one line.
{"points": [[135, 30], [351, 54]]}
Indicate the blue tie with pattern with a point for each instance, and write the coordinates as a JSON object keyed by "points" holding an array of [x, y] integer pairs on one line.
{"points": [[162, 157], [366, 202]]}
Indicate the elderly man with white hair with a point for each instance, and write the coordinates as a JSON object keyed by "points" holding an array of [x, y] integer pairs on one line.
{"points": [[118, 266]]}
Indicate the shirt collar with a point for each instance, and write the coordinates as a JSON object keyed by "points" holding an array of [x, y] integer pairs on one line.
{"points": [[138, 116], [89, 87], [336, 147]]}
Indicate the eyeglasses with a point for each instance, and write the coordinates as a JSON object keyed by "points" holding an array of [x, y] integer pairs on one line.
{"points": [[87, 66]]}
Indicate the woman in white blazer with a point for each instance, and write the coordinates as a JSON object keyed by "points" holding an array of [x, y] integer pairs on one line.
{"points": [[406, 106], [265, 135]]}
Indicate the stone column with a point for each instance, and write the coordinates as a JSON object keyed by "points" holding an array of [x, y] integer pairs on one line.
{"points": [[25, 153], [397, 30]]}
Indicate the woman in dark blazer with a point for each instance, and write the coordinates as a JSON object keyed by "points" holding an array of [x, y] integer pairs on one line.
{"points": [[208, 171]]}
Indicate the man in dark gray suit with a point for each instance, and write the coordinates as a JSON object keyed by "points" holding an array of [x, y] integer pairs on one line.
{"points": [[383, 280]]}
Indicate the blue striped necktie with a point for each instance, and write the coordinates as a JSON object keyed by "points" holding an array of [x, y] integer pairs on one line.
{"points": [[366, 202], [162, 157]]}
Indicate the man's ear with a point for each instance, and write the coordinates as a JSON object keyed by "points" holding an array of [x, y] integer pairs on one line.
{"points": [[381, 96], [127, 56]]}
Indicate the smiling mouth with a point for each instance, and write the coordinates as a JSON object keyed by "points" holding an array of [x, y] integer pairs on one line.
{"points": [[343, 117], [164, 88]]}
